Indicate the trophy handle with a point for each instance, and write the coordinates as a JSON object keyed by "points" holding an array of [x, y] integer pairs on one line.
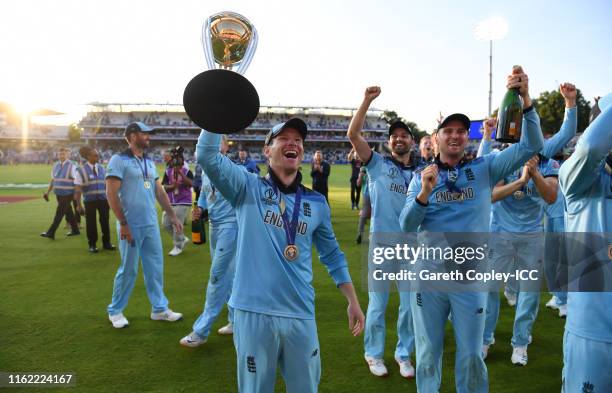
{"points": [[246, 61], [206, 45]]}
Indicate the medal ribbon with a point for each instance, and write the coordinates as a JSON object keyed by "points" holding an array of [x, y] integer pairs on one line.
{"points": [[450, 184], [290, 227], [145, 174], [401, 171]]}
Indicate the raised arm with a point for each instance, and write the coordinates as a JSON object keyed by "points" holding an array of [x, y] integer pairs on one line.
{"points": [[580, 171], [485, 144], [226, 176], [359, 143], [570, 123], [531, 142]]}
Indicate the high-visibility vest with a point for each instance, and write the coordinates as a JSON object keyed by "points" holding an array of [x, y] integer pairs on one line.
{"points": [[63, 183], [94, 187]]}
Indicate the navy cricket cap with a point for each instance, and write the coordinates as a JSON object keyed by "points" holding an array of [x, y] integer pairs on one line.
{"points": [[295, 123], [400, 124], [460, 117], [137, 126]]}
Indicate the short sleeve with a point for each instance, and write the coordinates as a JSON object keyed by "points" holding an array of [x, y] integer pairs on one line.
{"points": [[116, 167]]}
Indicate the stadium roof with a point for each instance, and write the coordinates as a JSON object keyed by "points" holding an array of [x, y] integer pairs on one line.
{"points": [[279, 109]]}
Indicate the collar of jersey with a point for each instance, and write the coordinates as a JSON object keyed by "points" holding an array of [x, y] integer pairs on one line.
{"points": [[129, 153], [292, 188], [401, 165], [442, 165]]}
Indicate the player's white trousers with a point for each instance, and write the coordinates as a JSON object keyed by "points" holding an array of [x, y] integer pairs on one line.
{"points": [[222, 268], [264, 342], [146, 245]]}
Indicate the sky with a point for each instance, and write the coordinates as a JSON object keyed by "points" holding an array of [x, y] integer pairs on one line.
{"points": [[63, 54]]}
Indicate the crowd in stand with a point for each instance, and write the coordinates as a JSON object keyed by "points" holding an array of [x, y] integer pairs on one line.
{"points": [[264, 120]]}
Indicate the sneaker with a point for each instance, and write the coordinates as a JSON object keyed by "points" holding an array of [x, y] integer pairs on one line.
{"points": [[118, 321], [192, 340], [406, 368], [485, 349], [167, 315], [511, 298], [175, 251], [226, 330], [377, 366], [519, 356], [185, 241], [48, 235], [552, 303], [563, 310]]}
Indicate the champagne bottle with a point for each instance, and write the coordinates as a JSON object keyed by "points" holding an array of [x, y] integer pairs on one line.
{"points": [[198, 231], [510, 117]]}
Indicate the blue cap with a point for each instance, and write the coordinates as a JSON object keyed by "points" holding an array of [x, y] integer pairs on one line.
{"points": [[137, 126], [295, 123]]}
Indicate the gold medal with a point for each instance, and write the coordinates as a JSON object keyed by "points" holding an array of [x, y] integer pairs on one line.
{"points": [[147, 184], [291, 252]]}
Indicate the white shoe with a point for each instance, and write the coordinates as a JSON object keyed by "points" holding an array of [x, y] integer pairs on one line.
{"points": [[185, 242], [530, 339], [175, 251], [167, 315], [519, 356], [192, 340], [226, 330], [485, 349], [552, 303], [563, 310], [406, 368], [377, 366], [511, 298], [118, 321]]}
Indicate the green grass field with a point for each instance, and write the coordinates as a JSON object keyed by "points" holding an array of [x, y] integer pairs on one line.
{"points": [[53, 315]]}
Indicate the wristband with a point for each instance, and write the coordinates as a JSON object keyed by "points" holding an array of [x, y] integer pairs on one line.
{"points": [[528, 109]]}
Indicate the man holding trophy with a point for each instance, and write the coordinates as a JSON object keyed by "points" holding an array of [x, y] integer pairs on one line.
{"points": [[272, 295]]}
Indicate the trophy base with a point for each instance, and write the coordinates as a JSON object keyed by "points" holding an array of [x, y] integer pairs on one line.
{"points": [[221, 101]]}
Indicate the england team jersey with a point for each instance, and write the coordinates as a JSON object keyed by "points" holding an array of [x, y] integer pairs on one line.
{"points": [[587, 186], [220, 212], [388, 182], [265, 281], [522, 211], [461, 199]]}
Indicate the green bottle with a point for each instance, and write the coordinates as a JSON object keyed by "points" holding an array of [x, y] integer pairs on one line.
{"points": [[510, 117]]}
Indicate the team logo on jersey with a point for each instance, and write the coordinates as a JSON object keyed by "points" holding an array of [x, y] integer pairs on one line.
{"points": [[469, 174], [419, 300], [588, 387], [269, 197], [393, 172], [314, 353], [275, 219], [251, 366], [306, 209]]}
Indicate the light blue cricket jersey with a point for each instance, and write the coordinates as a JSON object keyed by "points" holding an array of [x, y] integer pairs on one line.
{"points": [[523, 211], [265, 282], [587, 187], [388, 182], [137, 202], [465, 206], [557, 209], [221, 213]]}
